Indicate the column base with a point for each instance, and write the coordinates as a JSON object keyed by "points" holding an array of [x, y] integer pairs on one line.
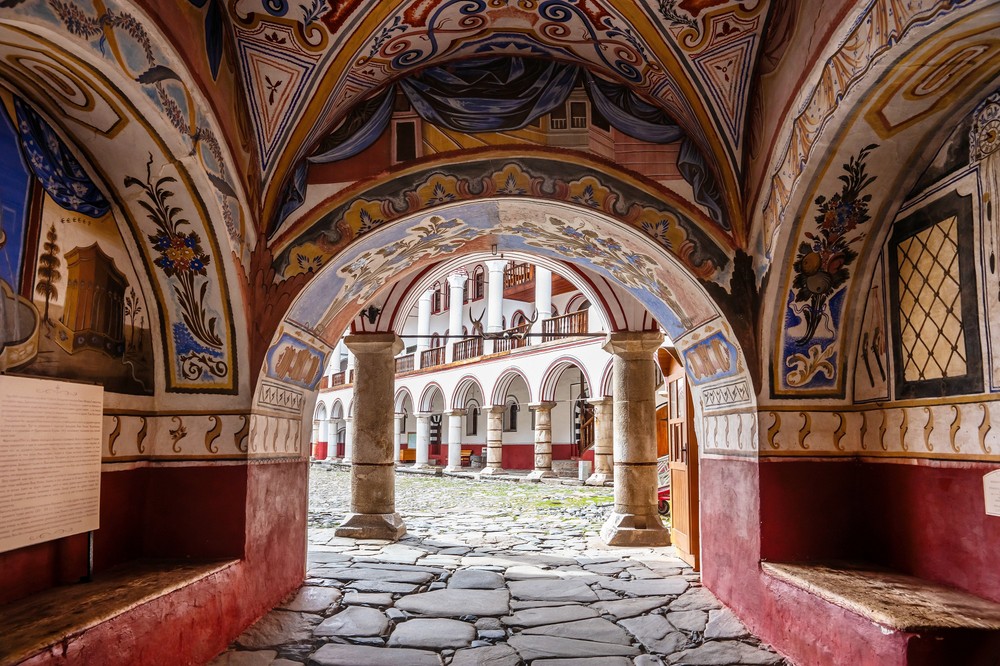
{"points": [[598, 479], [420, 466], [492, 471], [538, 474], [630, 529], [387, 526], [455, 468]]}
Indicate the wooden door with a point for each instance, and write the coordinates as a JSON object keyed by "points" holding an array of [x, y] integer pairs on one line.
{"points": [[683, 455]]}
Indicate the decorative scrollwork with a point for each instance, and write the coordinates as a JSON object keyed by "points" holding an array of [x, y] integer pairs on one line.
{"points": [[213, 435], [113, 437], [195, 364]]}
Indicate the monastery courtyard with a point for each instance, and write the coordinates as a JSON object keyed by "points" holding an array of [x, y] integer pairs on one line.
{"points": [[490, 573]]}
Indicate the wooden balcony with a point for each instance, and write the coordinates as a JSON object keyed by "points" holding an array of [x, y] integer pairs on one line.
{"points": [[432, 357], [466, 349], [519, 283], [338, 379], [517, 274], [404, 363], [510, 342], [567, 325]]}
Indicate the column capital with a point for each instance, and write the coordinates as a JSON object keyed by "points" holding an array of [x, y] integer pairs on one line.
{"points": [[496, 265], [458, 280], [423, 415], [427, 295], [633, 344], [494, 409], [373, 343], [544, 406], [604, 401], [454, 412]]}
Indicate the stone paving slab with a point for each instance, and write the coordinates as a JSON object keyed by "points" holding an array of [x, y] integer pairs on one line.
{"points": [[485, 580]]}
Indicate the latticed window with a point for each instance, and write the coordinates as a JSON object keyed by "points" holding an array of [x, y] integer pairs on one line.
{"points": [[436, 302], [478, 283], [510, 412]]}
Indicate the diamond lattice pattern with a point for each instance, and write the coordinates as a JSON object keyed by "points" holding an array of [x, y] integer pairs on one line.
{"points": [[930, 304]]}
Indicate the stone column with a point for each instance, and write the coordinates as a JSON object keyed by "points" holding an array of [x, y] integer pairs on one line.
{"points": [[423, 440], [494, 441], [543, 297], [455, 420], [373, 474], [348, 439], [543, 440], [397, 428], [423, 326], [315, 436], [603, 442], [634, 521], [456, 282]]}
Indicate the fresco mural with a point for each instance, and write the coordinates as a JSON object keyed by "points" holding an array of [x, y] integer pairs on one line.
{"points": [[73, 304]]}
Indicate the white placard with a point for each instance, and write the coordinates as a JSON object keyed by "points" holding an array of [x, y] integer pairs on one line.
{"points": [[991, 489], [50, 460]]}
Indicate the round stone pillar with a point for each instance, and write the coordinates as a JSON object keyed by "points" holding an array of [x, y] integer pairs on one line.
{"points": [[543, 440], [603, 442], [455, 419], [634, 521], [373, 474], [423, 440], [494, 441]]}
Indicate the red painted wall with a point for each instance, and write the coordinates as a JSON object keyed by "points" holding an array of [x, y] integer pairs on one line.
{"points": [[928, 518], [901, 515], [193, 624]]}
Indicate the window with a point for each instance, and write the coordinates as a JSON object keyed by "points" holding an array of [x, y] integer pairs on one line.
{"points": [[478, 283], [435, 341], [555, 312], [406, 141], [510, 415], [446, 296], [578, 115], [557, 119], [472, 419], [436, 298]]}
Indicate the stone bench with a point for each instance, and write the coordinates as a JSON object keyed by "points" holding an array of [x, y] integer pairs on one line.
{"points": [[959, 627], [32, 625]]}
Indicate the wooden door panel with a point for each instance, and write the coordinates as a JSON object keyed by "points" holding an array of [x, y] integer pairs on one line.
{"points": [[683, 452]]}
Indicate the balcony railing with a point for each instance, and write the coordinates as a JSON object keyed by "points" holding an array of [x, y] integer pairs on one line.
{"points": [[432, 357], [511, 342], [574, 323], [404, 363], [466, 349], [338, 379], [517, 274]]}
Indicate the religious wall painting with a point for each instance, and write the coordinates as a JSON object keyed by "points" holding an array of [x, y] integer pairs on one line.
{"points": [[933, 302], [821, 271], [871, 363], [711, 359], [981, 139], [636, 203], [293, 361]]}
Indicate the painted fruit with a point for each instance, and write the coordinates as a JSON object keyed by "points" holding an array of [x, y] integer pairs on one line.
{"points": [[811, 263], [819, 283]]}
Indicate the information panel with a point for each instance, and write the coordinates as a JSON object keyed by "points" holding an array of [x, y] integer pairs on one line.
{"points": [[50, 459]]}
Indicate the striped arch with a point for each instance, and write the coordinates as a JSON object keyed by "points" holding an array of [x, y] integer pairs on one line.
{"points": [[606, 387], [337, 409], [462, 391], [320, 413], [427, 397], [350, 410], [402, 395], [574, 303], [504, 383], [555, 371]]}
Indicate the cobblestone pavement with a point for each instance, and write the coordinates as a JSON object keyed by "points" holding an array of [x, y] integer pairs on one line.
{"points": [[491, 573]]}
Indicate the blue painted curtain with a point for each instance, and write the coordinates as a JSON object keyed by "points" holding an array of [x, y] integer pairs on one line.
{"points": [[502, 94], [55, 167]]}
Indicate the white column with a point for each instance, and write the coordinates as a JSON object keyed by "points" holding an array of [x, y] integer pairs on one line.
{"points": [[423, 325], [423, 440], [455, 420], [397, 436], [315, 436], [543, 297], [348, 439], [338, 356], [494, 441], [373, 475], [352, 362], [494, 299], [456, 282], [634, 520]]}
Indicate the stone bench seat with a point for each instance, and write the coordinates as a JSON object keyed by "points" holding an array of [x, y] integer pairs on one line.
{"points": [[896, 601], [34, 624]]}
